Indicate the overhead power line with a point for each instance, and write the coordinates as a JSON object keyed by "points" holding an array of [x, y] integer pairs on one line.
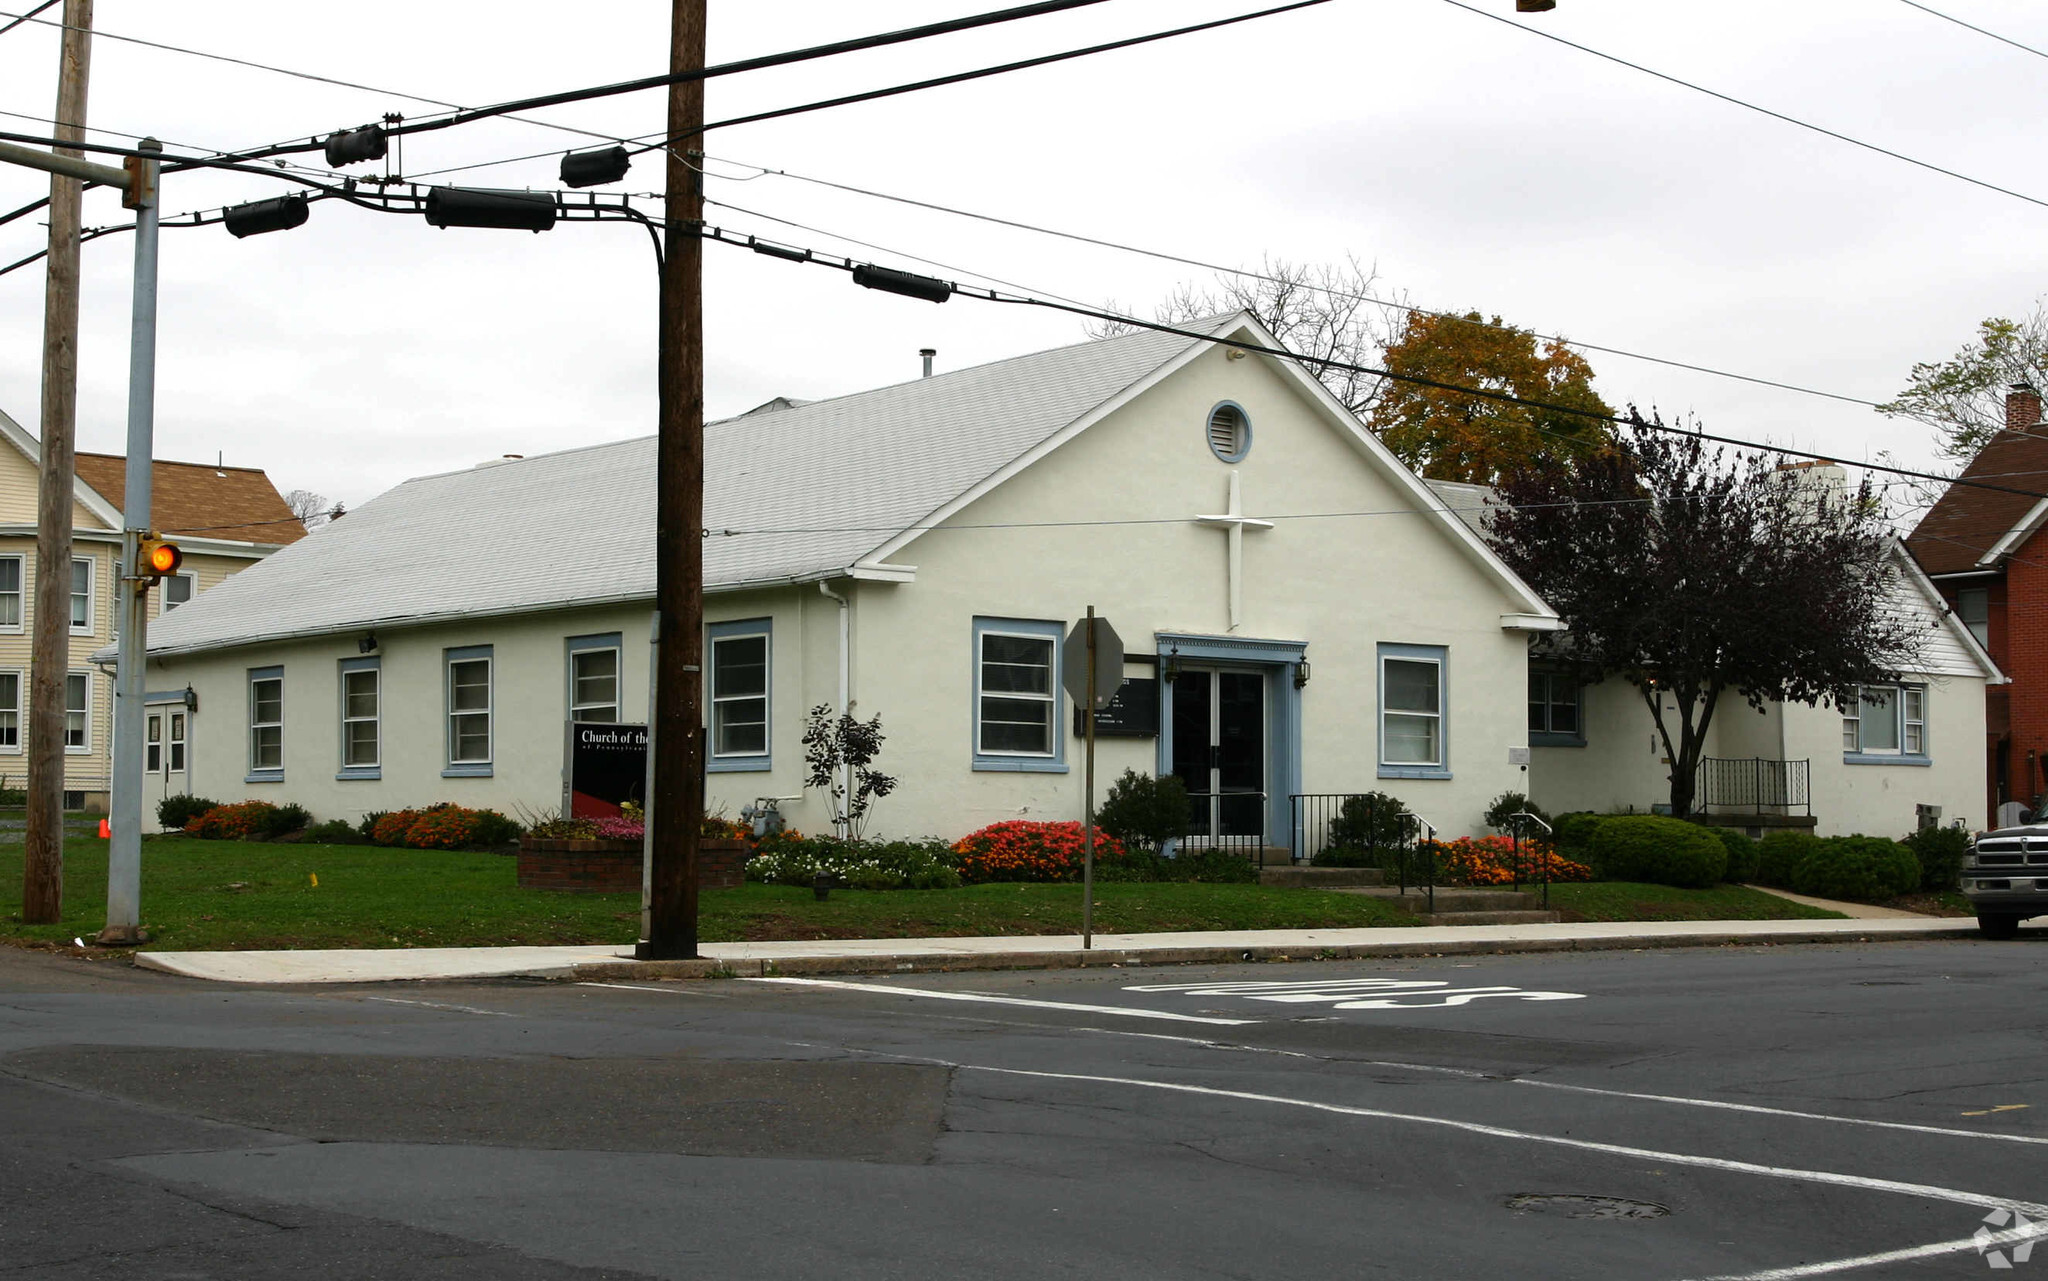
{"points": [[1751, 106], [1325, 290], [802, 254], [29, 16], [1949, 17], [980, 73]]}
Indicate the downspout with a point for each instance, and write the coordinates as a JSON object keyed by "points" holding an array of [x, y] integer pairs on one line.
{"points": [[845, 671]]}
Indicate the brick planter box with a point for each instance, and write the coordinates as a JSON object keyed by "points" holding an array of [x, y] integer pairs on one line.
{"points": [[607, 867]]}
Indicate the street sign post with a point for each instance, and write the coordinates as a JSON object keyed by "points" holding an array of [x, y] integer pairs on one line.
{"points": [[1092, 669]]}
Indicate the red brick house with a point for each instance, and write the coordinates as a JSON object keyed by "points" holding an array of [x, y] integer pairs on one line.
{"points": [[1987, 555]]}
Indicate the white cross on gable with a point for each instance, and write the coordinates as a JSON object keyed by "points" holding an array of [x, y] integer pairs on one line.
{"points": [[1233, 523]]}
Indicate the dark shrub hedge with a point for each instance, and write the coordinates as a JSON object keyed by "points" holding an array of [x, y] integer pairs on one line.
{"points": [[1940, 851], [1778, 853], [1145, 812], [1742, 855], [1664, 851], [175, 813], [1868, 868], [1574, 833]]}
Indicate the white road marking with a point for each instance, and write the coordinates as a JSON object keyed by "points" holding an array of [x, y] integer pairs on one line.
{"points": [[2011, 1236], [934, 994], [1361, 994], [1865, 1183], [437, 1005], [678, 989], [1803, 1116]]}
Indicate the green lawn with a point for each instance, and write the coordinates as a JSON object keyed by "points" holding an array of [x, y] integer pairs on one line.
{"points": [[1632, 901], [205, 895]]}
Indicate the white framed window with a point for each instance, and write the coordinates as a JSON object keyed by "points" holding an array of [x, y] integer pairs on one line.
{"points": [[11, 586], [153, 743], [594, 678], [362, 717], [11, 691], [1886, 721], [266, 724], [469, 711], [78, 712], [176, 590], [1016, 689], [740, 693], [1413, 697], [178, 741], [81, 596], [1973, 610]]}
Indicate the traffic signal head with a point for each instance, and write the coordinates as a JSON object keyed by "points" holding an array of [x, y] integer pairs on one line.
{"points": [[155, 558]]}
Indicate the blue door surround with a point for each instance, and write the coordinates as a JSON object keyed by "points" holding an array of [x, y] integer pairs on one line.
{"points": [[1278, 660]]}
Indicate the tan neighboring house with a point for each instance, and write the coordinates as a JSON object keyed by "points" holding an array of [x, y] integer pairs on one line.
{"points": [[224, 518]]}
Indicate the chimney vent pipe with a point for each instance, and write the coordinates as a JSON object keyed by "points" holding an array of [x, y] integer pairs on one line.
{"points": [[928, 353]]}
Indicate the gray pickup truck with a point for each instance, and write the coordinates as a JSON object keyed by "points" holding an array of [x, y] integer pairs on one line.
{"points": [[2005, 877]]}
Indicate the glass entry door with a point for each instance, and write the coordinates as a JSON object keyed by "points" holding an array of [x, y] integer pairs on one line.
{"points": [[1219, 751]]}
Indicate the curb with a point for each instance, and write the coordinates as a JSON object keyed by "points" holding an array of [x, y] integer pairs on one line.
{"points": [[942, 962]]}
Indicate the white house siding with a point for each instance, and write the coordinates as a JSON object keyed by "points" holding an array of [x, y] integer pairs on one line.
{"points": [[1879, 800], [1341, 584], [1621, 764]]}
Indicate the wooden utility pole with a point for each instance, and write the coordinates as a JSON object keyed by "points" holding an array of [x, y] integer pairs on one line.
{"points": [[42, 891], [677, 806]]}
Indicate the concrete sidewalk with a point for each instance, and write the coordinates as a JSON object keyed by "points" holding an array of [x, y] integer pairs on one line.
{"points": [[891, 956]]}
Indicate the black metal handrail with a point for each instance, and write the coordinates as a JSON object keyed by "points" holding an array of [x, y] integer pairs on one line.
{"points": [[1757, 785], [1394, 840], [1544, 853], [1200, 833]]}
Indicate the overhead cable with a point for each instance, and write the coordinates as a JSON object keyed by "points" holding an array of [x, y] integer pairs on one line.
{"points": [[1949, 17], [29, 16]]}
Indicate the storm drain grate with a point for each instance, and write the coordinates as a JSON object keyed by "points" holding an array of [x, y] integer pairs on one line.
{"points": [[1579, 1206]]}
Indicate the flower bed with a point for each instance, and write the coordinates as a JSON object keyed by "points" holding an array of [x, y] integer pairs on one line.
{"points": [[1019, 850], [1490, 860]]}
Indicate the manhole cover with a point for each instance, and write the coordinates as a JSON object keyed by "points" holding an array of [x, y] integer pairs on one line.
{"points": [[1576, 1206]]}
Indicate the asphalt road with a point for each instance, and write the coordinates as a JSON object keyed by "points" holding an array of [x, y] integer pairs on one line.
{"points": [[1741, 1112]]}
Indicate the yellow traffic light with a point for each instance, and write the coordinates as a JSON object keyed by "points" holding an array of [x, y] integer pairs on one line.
{"points": [[155, 558]]}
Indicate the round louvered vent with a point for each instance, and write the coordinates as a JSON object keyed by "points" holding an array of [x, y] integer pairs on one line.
{"points": [[1230, 433]]}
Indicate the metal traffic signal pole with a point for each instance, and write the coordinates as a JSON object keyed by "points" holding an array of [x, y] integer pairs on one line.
{"points": [[676, 805], [137, 181]]}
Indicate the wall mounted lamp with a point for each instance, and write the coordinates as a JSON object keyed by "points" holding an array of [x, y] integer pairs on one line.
{"points": [[1301, 671], [367, 643]]}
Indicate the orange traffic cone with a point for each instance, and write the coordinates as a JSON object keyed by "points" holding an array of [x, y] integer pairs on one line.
{"points": [[106, 832]]}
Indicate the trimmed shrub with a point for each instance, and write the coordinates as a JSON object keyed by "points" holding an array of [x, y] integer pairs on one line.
{"points": [[441, 827], [1867, 868], [1020, 850], [175, 813], [389, 827], [1742, 855], [1941, 851], [1663, 851], [1573, 833], [1375, 818], [494, 829], [284, 820], [1145, 811], [1778, 854], [1508, 803], [236, 822], [335, 831]]}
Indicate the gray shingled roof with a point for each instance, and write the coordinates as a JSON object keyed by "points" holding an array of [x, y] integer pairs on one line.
{"points": [[1465, 501], [839, 477]]}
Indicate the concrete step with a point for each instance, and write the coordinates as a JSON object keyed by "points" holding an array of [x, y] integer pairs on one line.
{"points": [[1457, 900], [1533, 917], [1322, 878]]}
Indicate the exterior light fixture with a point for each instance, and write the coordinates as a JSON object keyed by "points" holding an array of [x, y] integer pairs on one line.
{"points": [[253, 219], [1170, 670], [891, 281], [595, 168], [1301, 670], [191, 699], [353, 146], [477, 207], [367, 644]]}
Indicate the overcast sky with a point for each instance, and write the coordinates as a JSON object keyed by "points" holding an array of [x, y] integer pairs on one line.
{"points": [[1476, 165]]}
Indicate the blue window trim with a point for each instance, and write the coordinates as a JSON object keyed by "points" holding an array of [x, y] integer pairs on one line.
{"points": [[255, 775], [355, 773], [1441, 656], [752, 762], [584, 644], [1560, 738], [1244, 448], [1919, 758], [450, 657], [1003, 762], [1281, 661]]}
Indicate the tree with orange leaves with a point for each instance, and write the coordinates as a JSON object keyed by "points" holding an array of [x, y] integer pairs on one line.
{"points": [[1453, 435]]}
